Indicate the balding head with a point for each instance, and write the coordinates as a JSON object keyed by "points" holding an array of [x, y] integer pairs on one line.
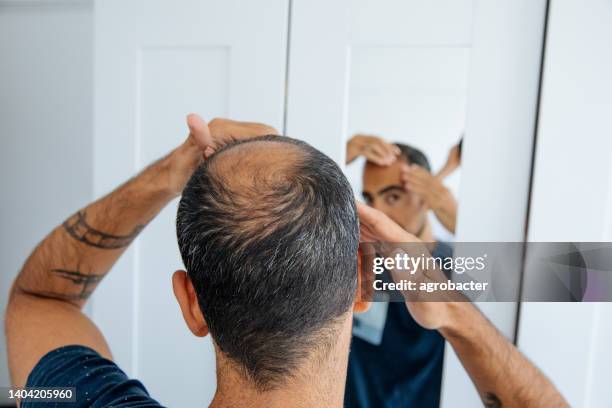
{"points": [[268, 232]]}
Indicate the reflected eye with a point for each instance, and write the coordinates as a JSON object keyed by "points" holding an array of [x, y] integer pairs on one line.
{"points": [[392, 198], [367, 199]]}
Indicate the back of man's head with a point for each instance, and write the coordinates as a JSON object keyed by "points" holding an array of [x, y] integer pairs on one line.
{"points": [[268, 232]]}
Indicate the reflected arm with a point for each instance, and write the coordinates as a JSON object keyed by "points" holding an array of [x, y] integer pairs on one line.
{"points": [[503, 376]]}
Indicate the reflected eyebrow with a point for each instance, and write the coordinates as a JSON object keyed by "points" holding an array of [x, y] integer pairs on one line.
{"points": [[391, 188]]}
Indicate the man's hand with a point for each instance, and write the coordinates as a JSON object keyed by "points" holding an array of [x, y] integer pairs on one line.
{"points": [[373, 148], [203, 140], [375, 226], [501, 374], [437, 197], [452, 161]]}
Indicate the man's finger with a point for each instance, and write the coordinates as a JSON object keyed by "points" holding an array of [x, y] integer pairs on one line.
{"points": [[378, 154], [367, 214], [199, 131], [416, 181], [415, 178], [376, 158], [383, 228], [225, 131], [392, 150], [420, 171], [415, 188]]}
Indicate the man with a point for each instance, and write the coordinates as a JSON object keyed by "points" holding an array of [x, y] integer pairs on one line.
{"points": [[268, 232], [394, 362], [417, 178]]}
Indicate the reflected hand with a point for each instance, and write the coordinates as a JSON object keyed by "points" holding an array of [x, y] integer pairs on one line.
{"points": [[452, 162], [436, 195], [375, 226], [202, 141], [373, 148]]}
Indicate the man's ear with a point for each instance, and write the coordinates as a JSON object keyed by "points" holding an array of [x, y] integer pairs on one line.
{"points": [[188, 301], [362, 297]]}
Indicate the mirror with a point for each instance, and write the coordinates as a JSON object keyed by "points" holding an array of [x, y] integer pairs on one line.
{"points": [[405, 121]]}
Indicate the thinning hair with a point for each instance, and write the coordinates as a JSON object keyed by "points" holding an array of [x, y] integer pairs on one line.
{"points": [[268, 232], [412, 155]]}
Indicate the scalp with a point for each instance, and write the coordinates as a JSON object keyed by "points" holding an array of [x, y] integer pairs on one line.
{"points": [[256, 165], [258, 187]]}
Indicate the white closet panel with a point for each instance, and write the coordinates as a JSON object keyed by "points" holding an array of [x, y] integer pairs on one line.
{"points": [[363, 66], [156, 61], [572, 195]]}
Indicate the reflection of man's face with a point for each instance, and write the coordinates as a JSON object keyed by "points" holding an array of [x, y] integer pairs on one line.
{"points": [[382, 189]]}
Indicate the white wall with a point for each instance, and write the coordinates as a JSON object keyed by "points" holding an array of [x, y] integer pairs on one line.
{"points": [[572, 195], [45, 126]]}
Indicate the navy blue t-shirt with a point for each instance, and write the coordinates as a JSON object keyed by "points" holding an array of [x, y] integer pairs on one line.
{"points": [[98, 382], [405, 369]]}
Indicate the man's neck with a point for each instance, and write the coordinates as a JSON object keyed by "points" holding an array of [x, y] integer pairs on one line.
{"points": [[320, 382]]}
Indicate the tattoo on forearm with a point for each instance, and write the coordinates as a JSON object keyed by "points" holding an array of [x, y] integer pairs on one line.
{"points": [[85, 284], [78, 228], [490, 400], [55, 295]]}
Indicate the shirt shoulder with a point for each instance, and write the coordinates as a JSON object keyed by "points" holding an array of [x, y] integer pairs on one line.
{"points": [[97, 381]]}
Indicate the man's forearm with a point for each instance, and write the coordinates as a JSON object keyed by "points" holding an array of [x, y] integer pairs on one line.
{"points": [[502, 375], [70, 262]]}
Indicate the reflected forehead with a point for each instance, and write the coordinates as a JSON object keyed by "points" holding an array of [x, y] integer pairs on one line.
{"points": [[376, 178]]}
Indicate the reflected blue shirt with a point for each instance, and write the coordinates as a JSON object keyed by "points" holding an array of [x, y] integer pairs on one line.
{"points": [[405, 369]]}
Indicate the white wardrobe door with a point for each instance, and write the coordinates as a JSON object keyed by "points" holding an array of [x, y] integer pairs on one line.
{"points": [[156, 61], [401, 68], [366, 66], [572, 195]]}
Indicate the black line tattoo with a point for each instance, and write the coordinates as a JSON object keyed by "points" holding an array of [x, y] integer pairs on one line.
{"points": [[55, 295], [85, 283], [78, 229], [490, 400], [88, 281]]}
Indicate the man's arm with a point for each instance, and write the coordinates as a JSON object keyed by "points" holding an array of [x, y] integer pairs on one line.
{"points": [[502, 375], [44, 310]]}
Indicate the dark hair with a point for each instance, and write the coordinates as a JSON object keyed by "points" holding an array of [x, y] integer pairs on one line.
{"points": [[272, 254], [414, 156]]}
